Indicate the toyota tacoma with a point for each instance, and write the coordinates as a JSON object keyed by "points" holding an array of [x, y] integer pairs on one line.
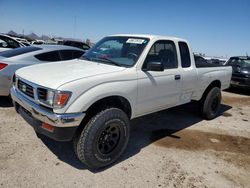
{"points": [[91, 100]]}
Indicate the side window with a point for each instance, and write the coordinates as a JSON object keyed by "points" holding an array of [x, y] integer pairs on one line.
{"points": [[185, 55], [76, 44], [231, 62], [66, 54], [49, 56], [77, 54], [85, 47], [67, 43], [8, 43], [163, 51], [3, 44], [70, 54]]}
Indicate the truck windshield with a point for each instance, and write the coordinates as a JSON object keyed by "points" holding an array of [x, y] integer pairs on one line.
{"points": [[118, 51]]}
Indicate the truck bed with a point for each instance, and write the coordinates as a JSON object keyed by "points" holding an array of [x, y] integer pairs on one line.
{"points": [[203, 65]]}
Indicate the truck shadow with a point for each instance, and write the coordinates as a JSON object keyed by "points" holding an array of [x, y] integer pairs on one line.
{"points": [[239, 91], [144, 131], [5, 102]]}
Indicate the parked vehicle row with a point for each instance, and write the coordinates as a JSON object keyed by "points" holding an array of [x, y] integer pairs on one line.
{"points": [[202, 62], [91, 100], [241, 71], [78, 44], [8, 43]]}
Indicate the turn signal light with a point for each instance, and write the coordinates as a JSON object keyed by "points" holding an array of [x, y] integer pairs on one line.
{"points": [[61, 99], [3, 65], [48, 127]]}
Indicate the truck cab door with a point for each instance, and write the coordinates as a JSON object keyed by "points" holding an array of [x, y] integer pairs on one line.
{"points": [[188, 73], [159, 89]]}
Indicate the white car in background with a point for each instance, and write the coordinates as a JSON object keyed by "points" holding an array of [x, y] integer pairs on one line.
{"points": [[37, 42], [23, 41], [8, 43], [12, 60]]}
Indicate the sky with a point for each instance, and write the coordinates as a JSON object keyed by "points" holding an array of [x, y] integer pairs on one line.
{"points": [[213, 27]]}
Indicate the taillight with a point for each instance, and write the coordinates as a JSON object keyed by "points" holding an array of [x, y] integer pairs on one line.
{"points": [[3, 65]]}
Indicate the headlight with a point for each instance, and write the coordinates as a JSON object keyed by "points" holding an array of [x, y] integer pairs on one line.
{"points": [[245, 72], [53, 98], [50, 97]]}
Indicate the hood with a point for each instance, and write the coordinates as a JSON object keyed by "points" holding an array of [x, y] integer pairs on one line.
{"points": [[53, 75]]}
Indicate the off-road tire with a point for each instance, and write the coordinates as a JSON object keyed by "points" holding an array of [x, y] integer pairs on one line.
{"points": [[89, 146], [210, 104]]}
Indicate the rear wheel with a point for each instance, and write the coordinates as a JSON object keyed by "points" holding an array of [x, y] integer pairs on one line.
{"points": [[211, 103], [103, 139]]}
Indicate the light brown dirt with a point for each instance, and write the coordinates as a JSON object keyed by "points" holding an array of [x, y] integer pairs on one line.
{"points": [[172, 148]]}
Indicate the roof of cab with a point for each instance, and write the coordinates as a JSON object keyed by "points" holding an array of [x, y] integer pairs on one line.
{"points": [[158, 37]]}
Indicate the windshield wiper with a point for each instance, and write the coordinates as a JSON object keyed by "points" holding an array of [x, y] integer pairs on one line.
{"points": [[109, 61]]}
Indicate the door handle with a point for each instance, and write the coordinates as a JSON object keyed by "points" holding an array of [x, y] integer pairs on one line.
{"points": [[177, 77]]}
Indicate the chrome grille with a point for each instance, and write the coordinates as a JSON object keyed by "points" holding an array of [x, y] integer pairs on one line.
{"points": [[25, 88], [42, 94]]}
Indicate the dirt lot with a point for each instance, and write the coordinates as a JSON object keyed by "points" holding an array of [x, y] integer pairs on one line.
{"points": [[172, 148]]}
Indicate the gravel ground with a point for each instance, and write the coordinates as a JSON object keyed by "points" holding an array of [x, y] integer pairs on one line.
{"points": [[171, 148]]}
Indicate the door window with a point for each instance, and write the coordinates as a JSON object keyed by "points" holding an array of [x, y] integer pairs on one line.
{"points": [[70, 54], [163, 51], [49, 56], [185, 55], [77, 54], [66, 54]]}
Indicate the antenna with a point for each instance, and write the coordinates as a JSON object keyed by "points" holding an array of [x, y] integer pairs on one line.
{"points": [[74, 27]]}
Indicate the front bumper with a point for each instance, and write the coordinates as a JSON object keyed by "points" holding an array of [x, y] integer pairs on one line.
{"points": [[64, 124], [241, 82]]}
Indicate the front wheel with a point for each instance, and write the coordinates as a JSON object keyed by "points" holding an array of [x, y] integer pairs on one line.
{"points": [[211, 103], [103, 139]]}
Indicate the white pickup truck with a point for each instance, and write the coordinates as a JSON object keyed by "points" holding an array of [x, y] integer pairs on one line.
{"points": [[91, 100]]}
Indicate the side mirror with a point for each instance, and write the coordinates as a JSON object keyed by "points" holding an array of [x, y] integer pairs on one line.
{"points": [[155, 66]]}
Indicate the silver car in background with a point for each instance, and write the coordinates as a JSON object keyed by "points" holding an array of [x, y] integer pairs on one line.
{"points": [[12, 60]]}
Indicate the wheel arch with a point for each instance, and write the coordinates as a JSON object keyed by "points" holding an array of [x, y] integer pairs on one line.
{"points": [[97, 106], [111, 101], [215, 83]]}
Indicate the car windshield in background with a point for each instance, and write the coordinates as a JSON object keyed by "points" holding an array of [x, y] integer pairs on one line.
{"points": [[19, 51], [243, 62], [119, 51]]}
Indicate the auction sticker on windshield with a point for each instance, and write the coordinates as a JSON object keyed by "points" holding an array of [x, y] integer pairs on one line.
{"points": [[135, 41]]}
